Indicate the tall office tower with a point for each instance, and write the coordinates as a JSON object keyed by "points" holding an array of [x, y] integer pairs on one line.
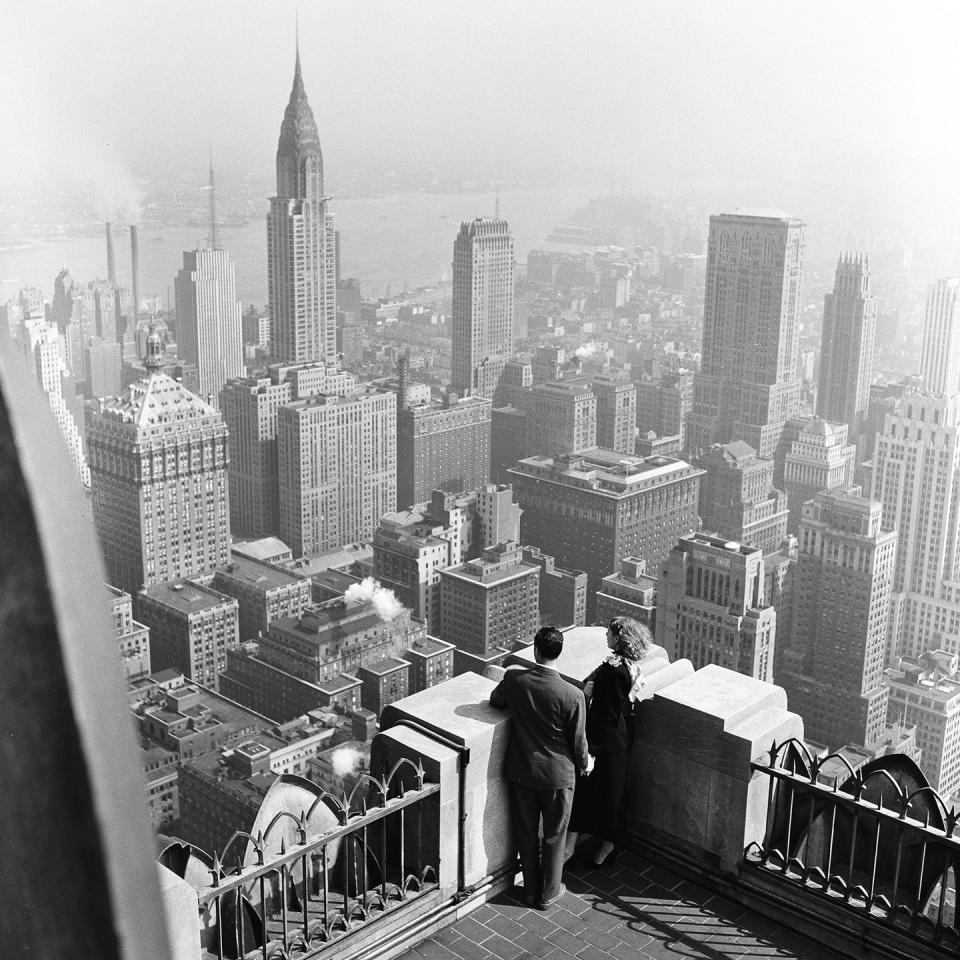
{"points": [[847, 347], [711, 609], [158, 472], [107, 319], [819, 459], [748, 383], [249, 406], [738, 499], [554, 418], [940, 359], [42, 346], [616, 413], [489, 606], [844, 576], [515, 381], [337, 468], [301, 252], [255, 328], [925, 692], [564, 418], [66, 311], [104, 365], [591, 510], [664, 403], [442, 445], [191, 628], [483, 323], [209, 327], [916, 477]]}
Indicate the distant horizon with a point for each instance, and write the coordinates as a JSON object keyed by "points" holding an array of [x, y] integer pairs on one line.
{"points": [[842, 108]]}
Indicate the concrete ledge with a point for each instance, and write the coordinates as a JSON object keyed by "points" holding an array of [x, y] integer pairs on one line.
{"points": [[441, 764], [459, 710], [689, 775]]}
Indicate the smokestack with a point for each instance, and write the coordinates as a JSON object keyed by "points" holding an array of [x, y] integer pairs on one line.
{"points": [[403, 369], [111, 264], [135, 269]]}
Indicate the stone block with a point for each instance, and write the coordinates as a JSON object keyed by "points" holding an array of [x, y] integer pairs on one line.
{"points": [[689, 775], [179, 901], [459, 710]]}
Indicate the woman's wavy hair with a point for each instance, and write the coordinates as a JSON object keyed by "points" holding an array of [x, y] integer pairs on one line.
{"points": [[633, 639]]}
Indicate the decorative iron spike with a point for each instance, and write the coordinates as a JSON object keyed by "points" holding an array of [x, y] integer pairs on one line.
{"points": [[215, 869], [773, 753], [258, 843], [303, 826], [283, 846]]}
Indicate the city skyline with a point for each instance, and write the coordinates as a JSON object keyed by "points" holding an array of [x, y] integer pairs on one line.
{"points": [[663, 459]]}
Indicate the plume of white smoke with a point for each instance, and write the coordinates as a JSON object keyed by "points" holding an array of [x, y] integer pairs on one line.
{"points": [[361, 592], [345, 761], [586, 350], [384, 602]]}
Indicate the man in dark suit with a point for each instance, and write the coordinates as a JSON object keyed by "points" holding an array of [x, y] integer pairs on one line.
{"points": [[547, 747]]}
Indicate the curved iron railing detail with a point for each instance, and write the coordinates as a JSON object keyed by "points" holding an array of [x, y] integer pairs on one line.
{"points": [[881, 842], [292, 903]]}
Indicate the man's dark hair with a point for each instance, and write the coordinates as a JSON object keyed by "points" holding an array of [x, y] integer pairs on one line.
{"points": [[549, 642]]}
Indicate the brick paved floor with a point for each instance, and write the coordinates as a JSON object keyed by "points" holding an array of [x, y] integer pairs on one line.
{"points": [[636, 911]]}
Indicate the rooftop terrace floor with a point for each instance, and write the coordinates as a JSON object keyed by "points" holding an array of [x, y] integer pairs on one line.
{"points": [[636, 910]]}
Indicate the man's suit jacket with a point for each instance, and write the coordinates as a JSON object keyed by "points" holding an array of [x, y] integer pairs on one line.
{"points": [[547, 741]]}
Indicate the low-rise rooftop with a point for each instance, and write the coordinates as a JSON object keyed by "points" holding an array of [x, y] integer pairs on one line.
{"points": [[186, 596]]}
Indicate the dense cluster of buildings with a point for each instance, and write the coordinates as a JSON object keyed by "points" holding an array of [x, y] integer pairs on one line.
{"points": [[573, 456]]}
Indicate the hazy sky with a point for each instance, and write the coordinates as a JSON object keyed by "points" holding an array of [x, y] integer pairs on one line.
{"points": [[860, 96]]}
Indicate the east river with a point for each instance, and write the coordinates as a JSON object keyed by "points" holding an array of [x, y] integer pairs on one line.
{"points": [[397, 239]]}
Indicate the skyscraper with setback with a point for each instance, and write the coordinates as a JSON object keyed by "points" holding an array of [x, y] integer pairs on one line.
{"points": [[483, 322]]}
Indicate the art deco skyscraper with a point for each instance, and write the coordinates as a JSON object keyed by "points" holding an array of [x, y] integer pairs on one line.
{"points": [[337, 457], [916, 477], [483, 323], [301, 247], [158, 480], [846, 351], [839, 633], [749, 384], [940, 360], [209, 314]]}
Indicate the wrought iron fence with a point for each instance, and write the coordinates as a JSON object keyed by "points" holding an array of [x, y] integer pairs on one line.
{"points": [[879, 841], [293, 901]]}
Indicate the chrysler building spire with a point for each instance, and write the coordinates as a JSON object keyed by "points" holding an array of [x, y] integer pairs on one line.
{"points": [[299, 158], [301, 243]]}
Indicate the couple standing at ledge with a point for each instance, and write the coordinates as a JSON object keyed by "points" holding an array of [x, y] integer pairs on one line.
{"points": [[566, 760]]}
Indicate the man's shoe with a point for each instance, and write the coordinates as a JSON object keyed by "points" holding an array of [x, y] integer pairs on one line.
{"points": [[529, 900], [547, 904]]}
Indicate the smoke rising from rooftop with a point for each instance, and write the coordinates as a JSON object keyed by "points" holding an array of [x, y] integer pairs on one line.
{"points": [[384, 602]]}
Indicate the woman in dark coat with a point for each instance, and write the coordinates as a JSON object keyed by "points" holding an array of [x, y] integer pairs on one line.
{"points": [[610, 692]]}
